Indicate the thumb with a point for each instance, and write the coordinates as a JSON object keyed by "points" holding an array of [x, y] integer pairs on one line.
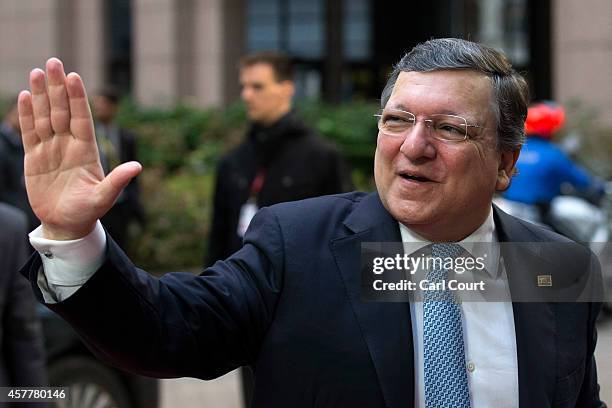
{"points": [[109, 189]]}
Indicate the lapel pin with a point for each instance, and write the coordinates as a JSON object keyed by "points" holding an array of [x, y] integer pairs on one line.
{"points": [[544, 280]]}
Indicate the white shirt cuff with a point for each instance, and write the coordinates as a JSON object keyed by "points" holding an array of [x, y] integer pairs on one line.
{"points": [[67, 265]]}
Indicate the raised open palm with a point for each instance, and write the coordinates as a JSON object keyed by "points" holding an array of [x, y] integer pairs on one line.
{"points": [[64, 179]]}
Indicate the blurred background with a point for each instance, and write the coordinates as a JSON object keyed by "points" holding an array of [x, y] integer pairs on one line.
{"points": [[176, 62]]}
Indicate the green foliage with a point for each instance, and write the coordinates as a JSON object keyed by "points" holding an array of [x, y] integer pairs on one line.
{"points": [[178, 216], [172, 135], [179, 148], [352, 127]]}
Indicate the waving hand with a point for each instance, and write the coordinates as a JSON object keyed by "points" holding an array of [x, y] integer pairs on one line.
{"points": [[65, 182]]}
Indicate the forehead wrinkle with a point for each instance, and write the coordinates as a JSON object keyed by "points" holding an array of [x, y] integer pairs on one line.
{"points": [[398, 106], [472, 108]]}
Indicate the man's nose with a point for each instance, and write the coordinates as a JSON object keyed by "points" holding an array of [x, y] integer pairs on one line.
{"points": [[418, 143]]}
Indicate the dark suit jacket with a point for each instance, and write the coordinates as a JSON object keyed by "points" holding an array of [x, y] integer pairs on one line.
{"points": [[12, 182], [288, 304], [22, 358], [128, 206], [128, 152], [298, 164]]}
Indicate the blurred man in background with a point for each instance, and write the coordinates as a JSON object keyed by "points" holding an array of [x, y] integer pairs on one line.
{"points": [[117, 145], [12, 182], [281, 159], [22, 359]]}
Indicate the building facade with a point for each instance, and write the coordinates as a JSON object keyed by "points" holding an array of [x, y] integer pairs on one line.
{"points": [[163, 51]]}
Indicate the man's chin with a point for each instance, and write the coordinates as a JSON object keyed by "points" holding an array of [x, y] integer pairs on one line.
{"points": [[413, 213]]}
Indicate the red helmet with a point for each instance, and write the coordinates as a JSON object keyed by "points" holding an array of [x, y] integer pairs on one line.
{"points": [[544, 119]]}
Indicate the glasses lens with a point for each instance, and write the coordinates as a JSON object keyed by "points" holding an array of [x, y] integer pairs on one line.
{"points": [[395, 123], [449, 127]]}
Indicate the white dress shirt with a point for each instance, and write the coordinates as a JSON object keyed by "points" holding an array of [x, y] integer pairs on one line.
{"points": [[488, 327], [488, 332], [67, 265]]}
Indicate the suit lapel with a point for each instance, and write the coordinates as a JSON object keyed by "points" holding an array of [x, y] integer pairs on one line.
{"points": [[386, 326], [534, 322]]}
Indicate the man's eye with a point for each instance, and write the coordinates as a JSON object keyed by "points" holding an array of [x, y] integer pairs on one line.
{"points": [[396, 120], [445, 127]]}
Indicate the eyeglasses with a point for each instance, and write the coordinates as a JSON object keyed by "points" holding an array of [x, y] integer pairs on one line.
{"points": [[449, 128]]}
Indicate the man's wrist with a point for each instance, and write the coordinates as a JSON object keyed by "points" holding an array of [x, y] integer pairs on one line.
{"points": [[70, 263], [61, 234]]}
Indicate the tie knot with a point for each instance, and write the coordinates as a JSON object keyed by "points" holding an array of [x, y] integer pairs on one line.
{"points": [[446, 250]]}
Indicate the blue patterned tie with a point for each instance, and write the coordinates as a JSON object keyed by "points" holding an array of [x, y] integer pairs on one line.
{"points": [[446, 383]]}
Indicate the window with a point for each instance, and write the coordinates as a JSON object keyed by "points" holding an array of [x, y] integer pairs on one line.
{"points": [[118, 31], [504, 24], [357, 30], [263, 25], [300, 28]]}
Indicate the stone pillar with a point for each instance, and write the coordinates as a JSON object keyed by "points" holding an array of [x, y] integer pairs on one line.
{"points": [[218, 44], [208, 53], [31, 31], [187, 50], [28, 36], [582, 56], [90, 43], [155, 65]]}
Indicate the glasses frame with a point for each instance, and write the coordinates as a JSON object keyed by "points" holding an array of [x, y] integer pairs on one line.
{"points": [[429, 124]]}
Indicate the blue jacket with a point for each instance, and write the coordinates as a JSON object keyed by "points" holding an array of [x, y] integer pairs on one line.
{"points": [[542, 170]]}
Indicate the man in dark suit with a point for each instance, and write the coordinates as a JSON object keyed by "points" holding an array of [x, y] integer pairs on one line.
{"points": [[117, 145], [289, 302], [281, 158], [22, 360], [12, 181]]}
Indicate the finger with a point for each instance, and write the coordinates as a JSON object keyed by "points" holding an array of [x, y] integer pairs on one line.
{"points": [[81, 121], [26, 121], [112, 185], [40, 104], [58, 96]]}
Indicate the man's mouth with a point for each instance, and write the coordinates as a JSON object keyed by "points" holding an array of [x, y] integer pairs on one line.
{"points": [[414, 177]]}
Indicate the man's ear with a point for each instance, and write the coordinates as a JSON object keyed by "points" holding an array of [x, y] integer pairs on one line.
{"points": [[506, 169]]}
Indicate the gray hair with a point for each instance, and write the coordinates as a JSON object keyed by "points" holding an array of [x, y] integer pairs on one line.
{"points": [[511, 93]]}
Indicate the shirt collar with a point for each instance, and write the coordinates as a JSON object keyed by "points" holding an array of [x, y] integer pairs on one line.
{"points": [[481, 243]]}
